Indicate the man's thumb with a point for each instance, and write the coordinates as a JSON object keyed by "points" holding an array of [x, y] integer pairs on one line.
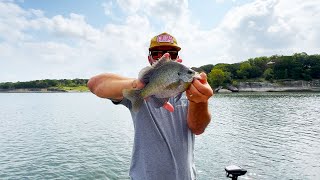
{"points": [[203, 77]]}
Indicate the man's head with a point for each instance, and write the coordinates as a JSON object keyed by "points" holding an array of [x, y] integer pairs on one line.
{"points": [[161, 44]]}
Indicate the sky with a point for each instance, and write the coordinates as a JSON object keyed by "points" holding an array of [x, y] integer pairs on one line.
{"points": [[79, 38]]}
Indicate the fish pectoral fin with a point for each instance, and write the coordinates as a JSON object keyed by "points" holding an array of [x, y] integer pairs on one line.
{"points": [[173, 85]]}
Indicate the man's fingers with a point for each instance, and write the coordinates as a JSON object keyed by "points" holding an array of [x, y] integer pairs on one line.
{"points": [[137, 84], [179, 60], [195, 96], [203, 78], [192, 89], [204, 89]]}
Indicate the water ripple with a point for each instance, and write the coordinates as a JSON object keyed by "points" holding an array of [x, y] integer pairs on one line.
{"points": [[274, 135], [79, 136]]}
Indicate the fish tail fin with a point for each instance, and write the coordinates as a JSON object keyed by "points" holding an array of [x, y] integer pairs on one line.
{"points": [[135, 97]]}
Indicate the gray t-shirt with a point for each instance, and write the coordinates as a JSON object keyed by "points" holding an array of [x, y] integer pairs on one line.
{"points": [[163, 143]]}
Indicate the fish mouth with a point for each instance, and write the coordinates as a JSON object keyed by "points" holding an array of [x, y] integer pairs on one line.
{"points": [[197, 75]]}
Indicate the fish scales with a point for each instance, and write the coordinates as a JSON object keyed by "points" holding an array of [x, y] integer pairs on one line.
{"points": [[164, 79]]}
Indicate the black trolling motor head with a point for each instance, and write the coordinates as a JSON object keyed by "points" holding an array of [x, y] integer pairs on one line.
{"points": [[234, 171]]}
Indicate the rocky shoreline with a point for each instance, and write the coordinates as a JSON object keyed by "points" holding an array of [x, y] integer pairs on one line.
{"points": [[279, 86]]}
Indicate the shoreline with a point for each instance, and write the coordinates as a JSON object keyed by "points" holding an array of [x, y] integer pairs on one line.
{"points": [[42, 90], [277, 86], [224, 91], [220, 91]]}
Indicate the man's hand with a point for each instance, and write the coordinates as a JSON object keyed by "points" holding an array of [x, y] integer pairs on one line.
{"points": [[178, 60], [199, 91], [137, 84], [198, 94]]}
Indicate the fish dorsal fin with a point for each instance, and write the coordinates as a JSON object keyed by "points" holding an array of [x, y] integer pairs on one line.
{"points": [[145, 73], [164, 59]]}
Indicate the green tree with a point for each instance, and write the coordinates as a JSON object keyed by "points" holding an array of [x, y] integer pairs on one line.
{"points": [[313, 66], [207, 68], [216, 78], [282, 67], [244, 71], [259, 65], [268, 74], [6, 85]]}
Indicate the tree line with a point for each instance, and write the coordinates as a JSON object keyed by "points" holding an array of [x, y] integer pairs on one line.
{"points": [[46, 83], [299, 66]]}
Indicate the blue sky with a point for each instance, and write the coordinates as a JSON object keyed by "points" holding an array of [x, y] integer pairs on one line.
{"points": [[92, 10], [78, 38], [208, 13]]}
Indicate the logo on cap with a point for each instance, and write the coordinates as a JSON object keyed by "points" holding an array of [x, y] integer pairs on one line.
{"points": [[165, 38]]}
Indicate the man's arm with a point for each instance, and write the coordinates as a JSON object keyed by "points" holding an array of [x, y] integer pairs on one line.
{"points": [[199, 115], [111, 85]]}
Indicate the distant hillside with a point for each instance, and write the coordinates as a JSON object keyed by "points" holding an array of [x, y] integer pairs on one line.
{"points": [[299, 66], [276, 68], [49, 84]]}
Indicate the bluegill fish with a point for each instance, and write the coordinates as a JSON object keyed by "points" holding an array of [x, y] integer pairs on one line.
{"points": [[164, 79]]}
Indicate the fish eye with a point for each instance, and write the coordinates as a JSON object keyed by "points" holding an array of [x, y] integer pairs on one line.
{"points": [[179, 73], [190, 71]]}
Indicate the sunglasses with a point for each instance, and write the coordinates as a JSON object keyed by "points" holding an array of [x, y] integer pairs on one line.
{"points": [[158, 54]]}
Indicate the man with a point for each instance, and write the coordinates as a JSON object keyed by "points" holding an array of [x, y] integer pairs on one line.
{"points": [[163, 140]]}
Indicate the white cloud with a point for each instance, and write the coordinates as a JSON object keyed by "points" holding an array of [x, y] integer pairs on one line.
{"points": [[130, 6], [69, 47], [36, 12], [24, 56], [301, 19], [75, 26], [271, 27], [159, 12], [12, 22], [107, 6], [222, 1]]}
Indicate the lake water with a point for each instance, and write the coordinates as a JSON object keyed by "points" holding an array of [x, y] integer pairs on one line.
{"points": [[80, 136]]}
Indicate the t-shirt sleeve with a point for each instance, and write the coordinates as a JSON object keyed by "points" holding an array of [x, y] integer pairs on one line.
{"points": [[126, 102]]}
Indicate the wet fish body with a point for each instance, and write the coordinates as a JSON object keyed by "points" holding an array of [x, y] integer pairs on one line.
{"points": [[164, 79]]}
